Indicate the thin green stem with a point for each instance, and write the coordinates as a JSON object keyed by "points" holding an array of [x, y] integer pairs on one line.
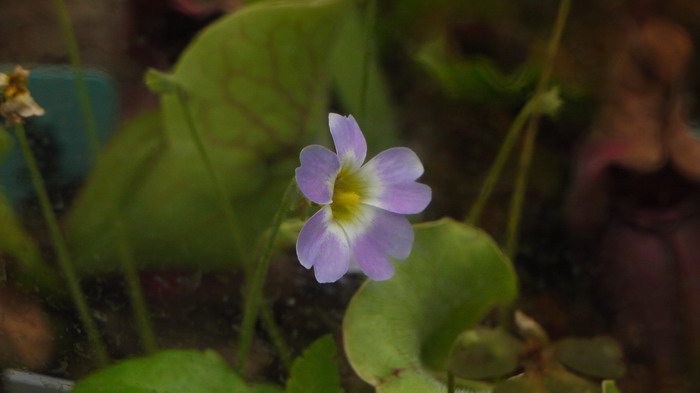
{"points": [[126, 256], [254, 288], [250, 315], [370, 17], [138, 303], [450, 382], [268, 320], [498, 164], [78, 75], [515, 212], [61, 249], [219, 189]]}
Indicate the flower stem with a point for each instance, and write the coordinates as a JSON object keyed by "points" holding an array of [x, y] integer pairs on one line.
{"points": [[450, 382], [126, 256], [138, 303], [370, 17], [78, 75], [219, 189], [222, 196], [254, 290], [498, 164], [61, 249], [515, 212], [268, 320]]}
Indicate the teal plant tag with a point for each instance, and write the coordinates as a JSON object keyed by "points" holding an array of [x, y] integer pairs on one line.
{"points": [[61, 141]]}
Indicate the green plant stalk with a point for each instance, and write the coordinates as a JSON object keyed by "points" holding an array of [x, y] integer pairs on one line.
{"points": [[450, 382], [222, 197], [370, 18], [219, 189], [61, 249], [516, 205], [126, 258], [498, 164], [138, 303], [268, 320], [254, 288], [78, 75]]}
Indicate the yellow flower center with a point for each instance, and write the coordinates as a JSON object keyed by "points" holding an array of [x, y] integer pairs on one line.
{"points": [[347, 194]]}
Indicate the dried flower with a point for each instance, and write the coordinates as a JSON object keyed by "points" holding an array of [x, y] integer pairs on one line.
{"points": [[16, 103], [361, 218]]}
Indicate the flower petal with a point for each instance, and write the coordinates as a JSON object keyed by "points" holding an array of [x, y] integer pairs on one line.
{"points": [[388, 234], [316, 175], [349, 142], [390, 177], [323, 245]]}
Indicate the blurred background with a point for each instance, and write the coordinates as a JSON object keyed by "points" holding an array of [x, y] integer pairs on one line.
{"points": [[610, 239]]}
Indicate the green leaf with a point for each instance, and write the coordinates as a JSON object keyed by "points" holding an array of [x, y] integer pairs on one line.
{"points": [[265, 388], [257, 83], [160, 82], [559, 380], [555, 380], [484, 353], [316, 371], [402, 329], [597, 357], [172, 371], [520, 384], [610, 387]]}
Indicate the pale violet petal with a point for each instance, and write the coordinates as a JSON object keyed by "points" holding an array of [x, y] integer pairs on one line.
{"points": [[408, 198], [388, 234], [322, 244], [349, 142], [317, 173], [390, 178]]}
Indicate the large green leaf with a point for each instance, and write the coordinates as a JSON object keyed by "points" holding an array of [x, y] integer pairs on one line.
{"points": [[316, 371], [356, 72], [257, 84], [398, 333], [172, 371]]}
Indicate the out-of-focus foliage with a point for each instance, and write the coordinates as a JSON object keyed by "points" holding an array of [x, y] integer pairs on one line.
{"points": [[256, 83], [483, 353], [399, 332], [610, 387], [477, 79], [569, 365], [556, 381], [597, 357], [15, 242], [316, 370], [172, 371]]}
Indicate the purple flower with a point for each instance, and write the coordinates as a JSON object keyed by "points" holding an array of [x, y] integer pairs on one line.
{"points": [[361, 217]]}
